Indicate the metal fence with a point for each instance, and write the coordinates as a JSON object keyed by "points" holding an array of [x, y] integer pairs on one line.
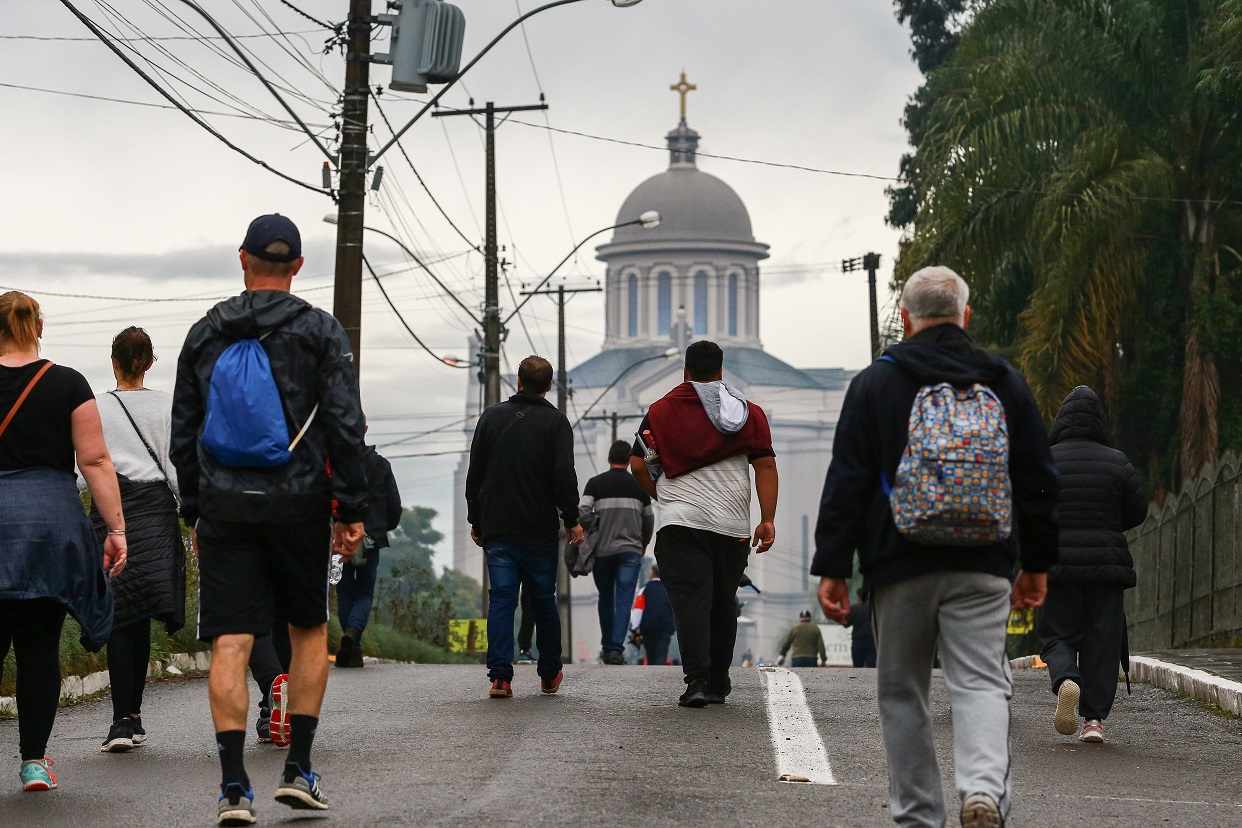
{"points": [[1189, 561]]}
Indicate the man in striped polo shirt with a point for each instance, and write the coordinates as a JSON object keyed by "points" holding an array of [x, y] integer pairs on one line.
{"points": [[619, 521]]}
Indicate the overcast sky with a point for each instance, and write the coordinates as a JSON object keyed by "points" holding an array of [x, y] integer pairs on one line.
{"points": [[118, 200]]}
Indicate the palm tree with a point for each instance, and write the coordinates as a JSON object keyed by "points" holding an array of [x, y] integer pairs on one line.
{"points": [[1076, 147]]}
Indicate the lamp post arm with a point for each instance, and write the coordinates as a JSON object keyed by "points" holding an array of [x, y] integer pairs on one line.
{"points": [[620, 376], [436, 99], [561, 264], [429, 271]]}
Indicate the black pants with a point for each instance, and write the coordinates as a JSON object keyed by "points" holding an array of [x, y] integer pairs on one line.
{"points": [[1082, 628], [862, 652], [32, 628], [526, 630], [657, 649], [129, 653], [701, 571], [269, 657]]}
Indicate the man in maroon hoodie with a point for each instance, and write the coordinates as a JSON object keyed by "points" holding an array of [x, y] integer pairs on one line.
{"points": [[708, 438]]}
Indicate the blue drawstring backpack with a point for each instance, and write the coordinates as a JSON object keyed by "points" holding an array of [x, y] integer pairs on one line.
{"points": [[245, 423]]}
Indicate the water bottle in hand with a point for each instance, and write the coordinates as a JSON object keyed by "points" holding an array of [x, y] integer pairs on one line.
{"points": [[338, 569]]}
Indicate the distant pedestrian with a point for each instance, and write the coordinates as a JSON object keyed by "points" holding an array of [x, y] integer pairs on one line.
{"points": [[862, 642], [807, 642], [137, 422], [935, 422], [652, 619], [266, 396], [704, 437], [618, 520], [520, 488], [51, 562], [1083, 621], [356, 590]]}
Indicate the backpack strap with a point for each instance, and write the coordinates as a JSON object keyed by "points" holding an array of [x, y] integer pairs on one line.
{"points": [[25, 393], [306, 426], [154, 458]]}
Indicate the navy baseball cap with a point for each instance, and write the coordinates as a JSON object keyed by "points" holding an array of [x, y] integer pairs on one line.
{"points": [[272, 228]]}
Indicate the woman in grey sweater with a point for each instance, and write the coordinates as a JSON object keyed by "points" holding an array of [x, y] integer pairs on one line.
{"points": [[136, 423]]}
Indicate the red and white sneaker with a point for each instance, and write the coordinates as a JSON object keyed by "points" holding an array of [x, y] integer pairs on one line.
{"points": [[501, 689], [279, 726], [1092, 731]]}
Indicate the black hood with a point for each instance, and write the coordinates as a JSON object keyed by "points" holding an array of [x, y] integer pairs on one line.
{"points": [[946, 353], [255, 312], [1081, 417]]}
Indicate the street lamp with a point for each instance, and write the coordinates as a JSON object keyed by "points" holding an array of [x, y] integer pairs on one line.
{"points": [[671, 353]]}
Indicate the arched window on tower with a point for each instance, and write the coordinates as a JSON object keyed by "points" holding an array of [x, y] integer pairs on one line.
{"points": [[732, 304], [664, 316], [632, 304], [700, 303]]}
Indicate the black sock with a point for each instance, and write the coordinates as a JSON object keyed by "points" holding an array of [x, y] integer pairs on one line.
{"points": [[232, 744], [301, 737]]}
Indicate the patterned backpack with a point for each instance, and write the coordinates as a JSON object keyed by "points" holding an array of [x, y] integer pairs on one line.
{"points": [[952, 485]]}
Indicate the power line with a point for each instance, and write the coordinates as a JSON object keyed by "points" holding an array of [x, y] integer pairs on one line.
{"points": [[336, 27], [58, 39], [184, 109], [401, 318]]}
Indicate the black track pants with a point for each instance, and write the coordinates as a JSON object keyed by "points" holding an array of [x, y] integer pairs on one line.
{"points": [[1082, 627]]}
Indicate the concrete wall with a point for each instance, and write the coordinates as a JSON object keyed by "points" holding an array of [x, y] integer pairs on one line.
{"points": [[1189, 561]]}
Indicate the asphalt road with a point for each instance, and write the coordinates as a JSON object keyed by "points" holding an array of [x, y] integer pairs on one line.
{"points": [[422, 745]]}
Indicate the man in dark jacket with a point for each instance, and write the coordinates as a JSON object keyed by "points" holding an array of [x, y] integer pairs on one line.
{"points": [[264, 535], [618, 519], [925, 593], [651, 620], [356, 589], [520, 487], [1083, 623]]}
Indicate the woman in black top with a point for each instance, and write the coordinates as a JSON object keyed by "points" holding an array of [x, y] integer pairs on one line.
{"points": [[50, 561], [1083, 621]]}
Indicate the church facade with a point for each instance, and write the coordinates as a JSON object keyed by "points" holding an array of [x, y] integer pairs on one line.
{"points": [[696, 276]]}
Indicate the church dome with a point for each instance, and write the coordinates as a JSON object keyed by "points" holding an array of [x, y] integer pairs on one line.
{"points": [[693, 205]]}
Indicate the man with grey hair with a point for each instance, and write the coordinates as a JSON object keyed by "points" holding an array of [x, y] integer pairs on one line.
{"points": [[942, 481]]}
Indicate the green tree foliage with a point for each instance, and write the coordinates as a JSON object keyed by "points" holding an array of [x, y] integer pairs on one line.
{"points": [[1081, 164]]}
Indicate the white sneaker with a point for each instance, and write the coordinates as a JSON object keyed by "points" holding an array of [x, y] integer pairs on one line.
{"points": [[980, 811], [1066, 718], [1092, 731]]}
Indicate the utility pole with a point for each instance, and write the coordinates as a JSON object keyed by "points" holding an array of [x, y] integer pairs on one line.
{"points": [[352, 190], [615, 419], [870, 263], [563, 581], [491, 299]]}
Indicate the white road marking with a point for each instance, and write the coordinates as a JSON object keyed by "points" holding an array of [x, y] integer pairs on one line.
{"points": [[800, 753]]}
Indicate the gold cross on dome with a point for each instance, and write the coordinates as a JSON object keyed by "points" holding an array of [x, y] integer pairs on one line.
{"points": [[684, 88]]}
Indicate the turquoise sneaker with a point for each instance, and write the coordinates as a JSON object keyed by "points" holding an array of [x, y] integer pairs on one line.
{"points": [[37, 776], [235, 806]]}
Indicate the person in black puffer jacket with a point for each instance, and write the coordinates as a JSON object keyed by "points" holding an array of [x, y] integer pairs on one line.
{"points": [[1083, 623]]}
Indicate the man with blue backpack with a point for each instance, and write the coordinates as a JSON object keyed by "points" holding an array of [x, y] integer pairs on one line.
{"points": [[266, 396], [942, 481]]}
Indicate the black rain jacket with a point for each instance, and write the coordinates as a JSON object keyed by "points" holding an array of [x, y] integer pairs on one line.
{"points": [[854, 513], [522, 471], [312, 363], [384, 509], [1100, 496]]}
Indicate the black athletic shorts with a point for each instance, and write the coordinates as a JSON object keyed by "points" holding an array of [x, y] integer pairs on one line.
{"points": [[250, 573]]}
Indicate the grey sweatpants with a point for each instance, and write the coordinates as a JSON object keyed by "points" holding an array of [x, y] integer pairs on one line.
{"points": [[965, 613]]}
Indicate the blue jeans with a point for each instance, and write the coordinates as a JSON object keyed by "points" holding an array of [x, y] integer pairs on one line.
{"points": [[514, 562], [616, 577], [356, 591]]}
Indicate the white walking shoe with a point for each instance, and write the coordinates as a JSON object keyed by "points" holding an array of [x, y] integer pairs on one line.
{"points": [[1066, 718]]}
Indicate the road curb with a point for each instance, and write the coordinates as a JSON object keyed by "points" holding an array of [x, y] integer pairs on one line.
{"points": [[1199, 684], [77, 687]]}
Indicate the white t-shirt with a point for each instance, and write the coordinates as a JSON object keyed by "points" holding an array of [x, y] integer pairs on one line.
{"points": [[715, 498], [152, 411]]}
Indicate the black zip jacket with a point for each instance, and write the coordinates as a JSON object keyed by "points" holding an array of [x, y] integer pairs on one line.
{"points": [[854, 513], [384, 508], [1100, 496], [312, 363], [522, 471]]}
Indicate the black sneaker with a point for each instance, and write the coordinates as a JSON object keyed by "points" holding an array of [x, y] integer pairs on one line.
{"points": [[613, 657], [345, 652], [264, 726], [299, 789], [717, 689], [356, 659], [694, 696], [140, 735], [120, 738]]}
